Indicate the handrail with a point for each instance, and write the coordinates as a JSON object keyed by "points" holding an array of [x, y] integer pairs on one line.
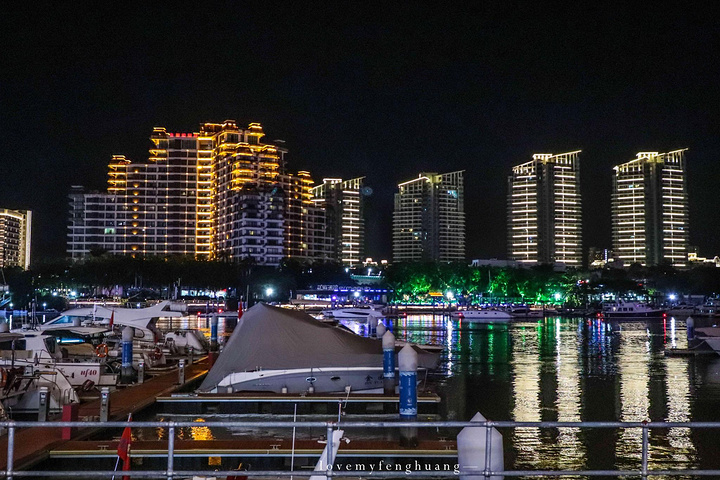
{"points": [[643, 471]]}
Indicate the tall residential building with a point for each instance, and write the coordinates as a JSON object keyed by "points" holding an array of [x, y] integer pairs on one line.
{"points": [[650, 209], [343, 206], [305, 235], [15, 238], [544, 210], [429, 219], [93, 224], [220, 193]]}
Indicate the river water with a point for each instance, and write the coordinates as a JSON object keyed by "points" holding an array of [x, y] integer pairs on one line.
{"points": [[573, 369]]}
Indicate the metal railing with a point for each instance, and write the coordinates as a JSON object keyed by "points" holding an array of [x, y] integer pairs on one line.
{"points": [[485, 472]]}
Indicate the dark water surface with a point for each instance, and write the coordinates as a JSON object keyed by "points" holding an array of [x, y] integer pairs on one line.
{"points": [[569, 369]]}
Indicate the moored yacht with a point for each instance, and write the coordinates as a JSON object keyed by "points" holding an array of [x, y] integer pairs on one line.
{"points": [[622, 309], [354, 313], [485, 315], [281, 350], [711, 308]]}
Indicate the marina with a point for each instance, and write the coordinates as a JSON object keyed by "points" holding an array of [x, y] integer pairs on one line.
{"points": [[555, 369]]}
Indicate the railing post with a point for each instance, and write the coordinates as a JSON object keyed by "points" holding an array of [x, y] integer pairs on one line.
{"points": [[645, 449], [171, 451], [104, 404], [44, 404], [141, 372], [329, 451], [488, 448], [181, 371], [11, 450]]}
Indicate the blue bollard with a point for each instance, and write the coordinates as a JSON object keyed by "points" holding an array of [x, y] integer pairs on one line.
{"points": [[388, 345], [408, 361], [126, 369], [690, 323], [214, 333]]}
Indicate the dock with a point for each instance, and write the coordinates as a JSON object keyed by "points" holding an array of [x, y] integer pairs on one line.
{"points": [[278, 404], [259, 448], [688, 352], [33, 445]]}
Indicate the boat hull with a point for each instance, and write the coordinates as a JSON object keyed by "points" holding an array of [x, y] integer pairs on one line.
{"points": [[483, 316], [297, 381], [632, 316]]}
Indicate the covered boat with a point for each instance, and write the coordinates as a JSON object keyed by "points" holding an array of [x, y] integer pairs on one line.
{"points": [[279, 350]]}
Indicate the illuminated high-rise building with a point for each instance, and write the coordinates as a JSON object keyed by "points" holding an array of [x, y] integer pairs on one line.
{"points": [[305, 235], [343, 203], [221, 193], [247, 199], [15, 238], [650, 209], [544, 210], [429, 219], [93, 224]]}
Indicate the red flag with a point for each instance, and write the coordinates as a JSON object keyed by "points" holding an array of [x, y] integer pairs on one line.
{"points": [[112, 319], [237, 477], [123, 450]]}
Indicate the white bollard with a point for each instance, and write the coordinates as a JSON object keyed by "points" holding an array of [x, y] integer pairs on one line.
{"points": [[472, 449], [380, 331], [408, 363]]}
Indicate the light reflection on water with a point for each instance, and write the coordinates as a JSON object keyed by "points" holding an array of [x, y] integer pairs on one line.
{"points": [[570, 369]]}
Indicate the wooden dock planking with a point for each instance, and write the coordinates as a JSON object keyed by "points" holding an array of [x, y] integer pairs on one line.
{"points": [[687, 352], [33, 444], [269, 447]]}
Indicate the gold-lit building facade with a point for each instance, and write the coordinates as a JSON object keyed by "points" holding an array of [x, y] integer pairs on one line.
{"points": [[15, 238], [429, 219], [545, 211], [220, 193], [650, 210]]}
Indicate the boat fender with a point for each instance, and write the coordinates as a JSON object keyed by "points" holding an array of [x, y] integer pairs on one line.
{"points": [[87, 385], [157, 353], [102, 350]]}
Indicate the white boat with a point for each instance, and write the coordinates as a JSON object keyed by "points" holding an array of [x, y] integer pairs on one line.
{"points": [[711, 308], [486, 315], [22, 376], [709, 335], [630, 310], [68, 352], [143, 320], [285, 351], [354, 313], [149, 344]]}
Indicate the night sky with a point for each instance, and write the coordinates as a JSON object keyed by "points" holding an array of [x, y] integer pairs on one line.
{"points": [[380, 90]]}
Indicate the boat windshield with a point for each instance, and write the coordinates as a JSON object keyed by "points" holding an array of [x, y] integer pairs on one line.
{"points": [[8, 345], [69, 319], [50, 344]]}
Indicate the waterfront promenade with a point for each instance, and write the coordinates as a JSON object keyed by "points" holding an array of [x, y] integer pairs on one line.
{"points": [[33, 445]]}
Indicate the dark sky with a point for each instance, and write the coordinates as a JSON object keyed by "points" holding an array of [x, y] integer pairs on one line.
{"points": [[383, 90]]}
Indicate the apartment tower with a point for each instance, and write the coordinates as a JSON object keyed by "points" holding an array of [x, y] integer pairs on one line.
{"points": [[15, 238], [429, 219], [220, 193], [544, 211], [343, 206], [650, 210]]}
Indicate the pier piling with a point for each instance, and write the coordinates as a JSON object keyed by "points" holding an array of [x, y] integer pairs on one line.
{"points": [[408, 363]]}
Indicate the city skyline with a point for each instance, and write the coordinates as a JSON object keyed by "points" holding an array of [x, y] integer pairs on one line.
{"points": [[363, 92]]}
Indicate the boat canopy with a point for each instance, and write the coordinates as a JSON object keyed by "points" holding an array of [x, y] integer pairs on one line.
{"points": [[271, 338]]}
